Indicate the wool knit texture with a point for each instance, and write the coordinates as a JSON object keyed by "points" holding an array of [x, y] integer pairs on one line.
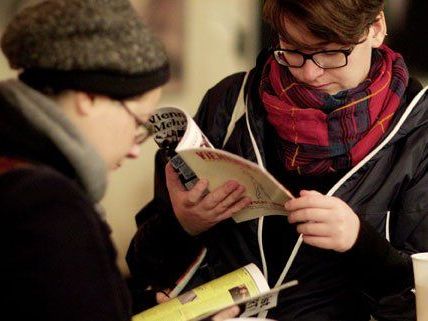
{"points": [[101, 36]]}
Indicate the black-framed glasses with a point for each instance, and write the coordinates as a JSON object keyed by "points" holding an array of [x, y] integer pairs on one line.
{"points": [[325, 59], [145, 129]]}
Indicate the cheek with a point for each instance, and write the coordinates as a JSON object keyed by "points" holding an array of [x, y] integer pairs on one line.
{"points": [[127, 136], [295, 72], [359, 65], [347, 77], [341, 76], [122, 136]]}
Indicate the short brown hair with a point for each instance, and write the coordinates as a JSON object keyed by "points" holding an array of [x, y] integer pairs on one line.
{"points": [[339, 21]]}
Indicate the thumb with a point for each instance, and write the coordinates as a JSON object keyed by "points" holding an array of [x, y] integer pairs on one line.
{"points": [[226, 314], [173, 182], [162, 297]]}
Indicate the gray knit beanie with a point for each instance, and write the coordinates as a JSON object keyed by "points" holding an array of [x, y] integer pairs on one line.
{"points": [[97, 46]]}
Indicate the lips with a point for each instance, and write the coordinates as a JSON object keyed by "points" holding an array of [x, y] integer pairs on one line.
{"points": [[320, 86]]}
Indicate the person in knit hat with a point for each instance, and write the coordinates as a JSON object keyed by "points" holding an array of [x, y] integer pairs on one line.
{"points": [[90, 75]]}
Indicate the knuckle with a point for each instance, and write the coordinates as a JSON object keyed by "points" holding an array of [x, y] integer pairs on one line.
{"points": [[341, 219], [341, 246], [221, 208], [312, 199], [305, 213]]}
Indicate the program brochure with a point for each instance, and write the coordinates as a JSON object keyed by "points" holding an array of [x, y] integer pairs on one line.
{"points": [[245, 286], [194, 156]]}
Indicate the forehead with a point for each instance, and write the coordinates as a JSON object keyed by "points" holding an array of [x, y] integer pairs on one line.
{"points": [[145, 104], [297, 34]]}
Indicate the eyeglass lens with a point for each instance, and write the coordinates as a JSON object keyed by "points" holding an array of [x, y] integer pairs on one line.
{"points": [[144, 129], [328, 59]]}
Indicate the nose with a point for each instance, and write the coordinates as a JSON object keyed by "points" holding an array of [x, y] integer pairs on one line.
{"points": [[310, 71], [134, 151]]}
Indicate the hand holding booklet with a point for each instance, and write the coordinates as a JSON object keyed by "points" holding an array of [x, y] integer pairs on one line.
{"points": [[194, 156], [245, 287]]}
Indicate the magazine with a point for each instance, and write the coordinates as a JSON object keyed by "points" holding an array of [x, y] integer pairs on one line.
{"points": [[193, 156], [245, 286]]}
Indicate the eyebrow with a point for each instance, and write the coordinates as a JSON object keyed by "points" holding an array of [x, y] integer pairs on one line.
{"points": [[319, 45]]}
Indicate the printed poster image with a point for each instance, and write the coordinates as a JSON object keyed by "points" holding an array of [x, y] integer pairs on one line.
{"points": [[239, 292]]}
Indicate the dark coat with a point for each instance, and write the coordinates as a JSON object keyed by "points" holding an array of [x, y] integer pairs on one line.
{"points": [[388, 191]]}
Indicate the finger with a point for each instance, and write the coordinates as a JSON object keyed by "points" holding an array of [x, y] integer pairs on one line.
{"points": [[314, 229], [197, 192], [310, 201], [172, 179], [231, 199], [235, 208], [310, 214], [220, 194], [162, 297], [227, 313]]}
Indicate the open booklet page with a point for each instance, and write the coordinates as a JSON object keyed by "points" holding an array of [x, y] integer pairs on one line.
{"points": [[174, 128], [218, 166], [193, 156], [244, 285]]}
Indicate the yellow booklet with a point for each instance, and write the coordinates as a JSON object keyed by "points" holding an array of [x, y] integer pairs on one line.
{"points": [[245, 286]]}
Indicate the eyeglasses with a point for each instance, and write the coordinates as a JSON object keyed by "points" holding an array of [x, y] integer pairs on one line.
{"points": [[145, 129], [325, 59]]}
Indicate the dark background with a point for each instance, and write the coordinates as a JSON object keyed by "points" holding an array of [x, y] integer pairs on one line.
{"points": [[410, 35]]}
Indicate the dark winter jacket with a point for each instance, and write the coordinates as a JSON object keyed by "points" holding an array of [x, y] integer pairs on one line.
{"points": [[58, 261], [388, 190]]}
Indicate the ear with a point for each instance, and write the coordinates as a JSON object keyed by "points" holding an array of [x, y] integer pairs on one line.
{"points": [[84, 103], [378, 31]]}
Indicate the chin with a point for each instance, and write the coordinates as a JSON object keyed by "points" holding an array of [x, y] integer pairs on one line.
{"points": [[115, 166], [334, 90], [330, 91]]}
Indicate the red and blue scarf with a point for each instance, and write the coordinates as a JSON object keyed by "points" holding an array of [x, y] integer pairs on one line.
{"points": [[9, 163], [321, 133]]}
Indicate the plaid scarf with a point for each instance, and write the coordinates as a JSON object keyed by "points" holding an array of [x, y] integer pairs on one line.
{"points": [[321, 133], [8, 164]]}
